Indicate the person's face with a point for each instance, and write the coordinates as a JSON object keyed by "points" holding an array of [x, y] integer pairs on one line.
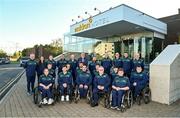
{"points": [[32, 56], [46, 72], [49, 66], [72, 56], [84, 68], [117, 55], [97, 67], [64, 69], [62, 56], [82, 55], [94, 59], [101, 70], [115, 70], [80, 65], [120, 73], [50, 57], [106, 55], [42, 58], [125, 55], [139, 69], [137, 56], [68, 66]]}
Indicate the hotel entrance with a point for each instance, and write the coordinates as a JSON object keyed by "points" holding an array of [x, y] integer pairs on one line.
{"points": [[146, 46]]}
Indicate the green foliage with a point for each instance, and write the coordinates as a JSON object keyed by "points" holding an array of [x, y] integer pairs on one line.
{"points": [[54, 48], [2, 53]]}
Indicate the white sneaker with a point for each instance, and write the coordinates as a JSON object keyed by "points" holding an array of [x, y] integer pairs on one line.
{"points": [[50, 101], [67, 97], [45, 101], [62, 98]]}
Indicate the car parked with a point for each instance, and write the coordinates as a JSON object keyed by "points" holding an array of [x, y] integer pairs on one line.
{"points": [[1, 61], [23, 60]]}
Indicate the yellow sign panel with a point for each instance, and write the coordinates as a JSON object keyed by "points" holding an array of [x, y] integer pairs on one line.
{"points": [[84, 26]]}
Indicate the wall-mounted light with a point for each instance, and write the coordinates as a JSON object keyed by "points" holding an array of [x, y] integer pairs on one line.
{"points": [[88, 14], [96, 9], [74, 21], [81, 17]]}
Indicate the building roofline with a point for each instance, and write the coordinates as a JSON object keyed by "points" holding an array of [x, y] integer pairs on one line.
{"points": [[114, 8]]}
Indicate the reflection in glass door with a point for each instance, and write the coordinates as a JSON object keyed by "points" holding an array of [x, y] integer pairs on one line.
{"points": [[128, 46]]}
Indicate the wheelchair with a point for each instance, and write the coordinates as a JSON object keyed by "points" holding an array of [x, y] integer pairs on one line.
{"points": [[37, 96], [145, 95], [103, 99], [77, 94], [127, 100], [58, 94]]}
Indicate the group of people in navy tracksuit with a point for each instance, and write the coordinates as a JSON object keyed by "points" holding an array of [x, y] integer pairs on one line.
{"points": [[117, 75]]}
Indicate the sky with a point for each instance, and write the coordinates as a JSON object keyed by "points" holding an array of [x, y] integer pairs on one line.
{"points": [[24, 23]]}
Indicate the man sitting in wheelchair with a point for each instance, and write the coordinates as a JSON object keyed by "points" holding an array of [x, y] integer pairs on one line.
{"points": [[138, 80], [45, 83], [119, 86], [101, 84], [83, 81], [65, 83]]}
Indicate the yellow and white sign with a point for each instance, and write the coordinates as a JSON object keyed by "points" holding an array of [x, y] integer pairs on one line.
{"points": [[84, 26]]}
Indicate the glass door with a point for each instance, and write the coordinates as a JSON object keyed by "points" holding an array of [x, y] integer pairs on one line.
{"points": [[128, 46]]}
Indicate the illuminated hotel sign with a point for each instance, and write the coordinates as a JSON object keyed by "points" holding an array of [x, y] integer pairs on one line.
{"points": [[84, 26], [91, 23]]}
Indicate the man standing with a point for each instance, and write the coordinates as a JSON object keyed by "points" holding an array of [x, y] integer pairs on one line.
{"points": [[51, 61], [106, 63], [73, 62], [83, 59], [127, 65], [61, 63], [117, 62], [31, 67], [137, 61]]}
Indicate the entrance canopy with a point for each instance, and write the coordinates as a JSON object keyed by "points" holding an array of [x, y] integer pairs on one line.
{"points": [[120, 20]]}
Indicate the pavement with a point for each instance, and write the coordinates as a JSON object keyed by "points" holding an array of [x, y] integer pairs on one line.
{"points": [[18, 104]]}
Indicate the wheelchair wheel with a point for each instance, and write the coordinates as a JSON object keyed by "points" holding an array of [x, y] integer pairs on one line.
{"points": [[106, 100], [129, 99], [76, 95], [37, 96], [54, 94], [147, 95], [138, 100], [89, 95]]}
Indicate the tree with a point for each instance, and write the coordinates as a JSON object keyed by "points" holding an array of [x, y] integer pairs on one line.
{"points": [[54, 48], [2, 53]]}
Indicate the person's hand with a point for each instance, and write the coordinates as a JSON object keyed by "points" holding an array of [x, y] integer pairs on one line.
{"points": [[114, 87], [46, 87], [118, 88], [80, 86], [64, 85], [99, 87], [85, 86], [102, 87], [134, 84]]}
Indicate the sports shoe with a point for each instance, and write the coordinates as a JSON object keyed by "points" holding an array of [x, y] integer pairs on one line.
{"points": [[118, 108], [50, 101], [28, 93], [62, 98], [45, 101], [67, 97], [112, 107]]}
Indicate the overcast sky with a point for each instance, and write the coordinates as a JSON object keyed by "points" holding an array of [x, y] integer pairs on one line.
{"points": [[24, 23]]}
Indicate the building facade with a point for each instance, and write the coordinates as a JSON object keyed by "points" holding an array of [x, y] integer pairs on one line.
{"points": [[173, 29], [129, 29], [78, 44]]}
